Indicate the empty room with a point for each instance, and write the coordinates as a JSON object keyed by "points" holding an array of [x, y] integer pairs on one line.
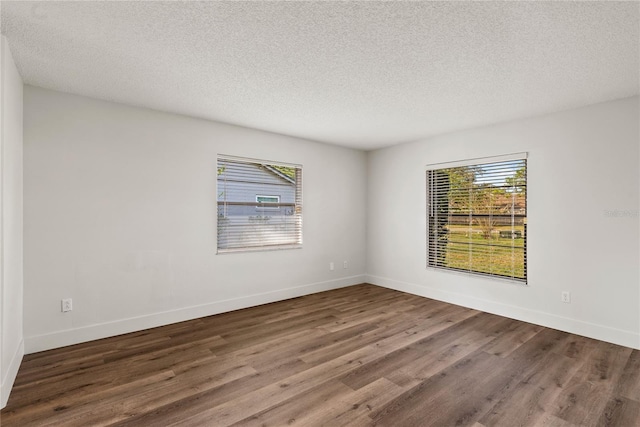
{"points": [[320, 213]]}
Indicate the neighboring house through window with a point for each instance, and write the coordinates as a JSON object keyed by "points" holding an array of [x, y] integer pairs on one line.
{"points": [[259, 205], [477, 216]]}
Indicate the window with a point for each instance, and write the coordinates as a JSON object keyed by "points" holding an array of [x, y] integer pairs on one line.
{"points": [[477, 216], [266, 202], [259, 205]]}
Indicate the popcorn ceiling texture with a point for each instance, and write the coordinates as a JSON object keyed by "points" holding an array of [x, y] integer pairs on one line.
{"points": [[360, 74]]}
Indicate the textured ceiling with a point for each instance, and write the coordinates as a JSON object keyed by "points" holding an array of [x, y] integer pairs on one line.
{"points": [[359, 74]]}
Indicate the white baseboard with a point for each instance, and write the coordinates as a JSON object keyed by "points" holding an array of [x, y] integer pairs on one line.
{"points": [[67, 337], [566, 324], [10, 377]]}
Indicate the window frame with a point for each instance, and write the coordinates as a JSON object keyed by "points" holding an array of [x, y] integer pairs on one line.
{"points": [[431, 238], [291, 210]]}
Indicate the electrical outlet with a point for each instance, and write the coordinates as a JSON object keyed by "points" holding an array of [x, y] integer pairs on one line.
{"points": [[67, 305], [331, 266], [566, 297], [345, 264]]}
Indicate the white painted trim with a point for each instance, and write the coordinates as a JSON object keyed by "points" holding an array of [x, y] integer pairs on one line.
{"points": [[4, 395], [566, 324], [103, 330], [12, 372]]}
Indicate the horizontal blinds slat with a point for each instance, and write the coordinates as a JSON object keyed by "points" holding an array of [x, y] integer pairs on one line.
{"points": [[257, 204], [236, 159], [477, 161], [460, 214]]}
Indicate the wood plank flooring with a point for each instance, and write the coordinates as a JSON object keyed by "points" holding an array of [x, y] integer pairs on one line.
{"points": [[357, 356]]}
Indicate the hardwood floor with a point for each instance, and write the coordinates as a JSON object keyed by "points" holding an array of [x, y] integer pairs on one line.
{"points": [[358, 356]]}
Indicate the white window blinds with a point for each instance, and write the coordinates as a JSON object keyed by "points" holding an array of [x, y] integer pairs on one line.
{"points": [[259, 205], [477, 218]]}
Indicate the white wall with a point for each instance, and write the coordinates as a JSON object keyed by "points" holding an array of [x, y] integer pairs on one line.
{"points": [[11, 340], [120, 209], [582, 163], [120, 216]]}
